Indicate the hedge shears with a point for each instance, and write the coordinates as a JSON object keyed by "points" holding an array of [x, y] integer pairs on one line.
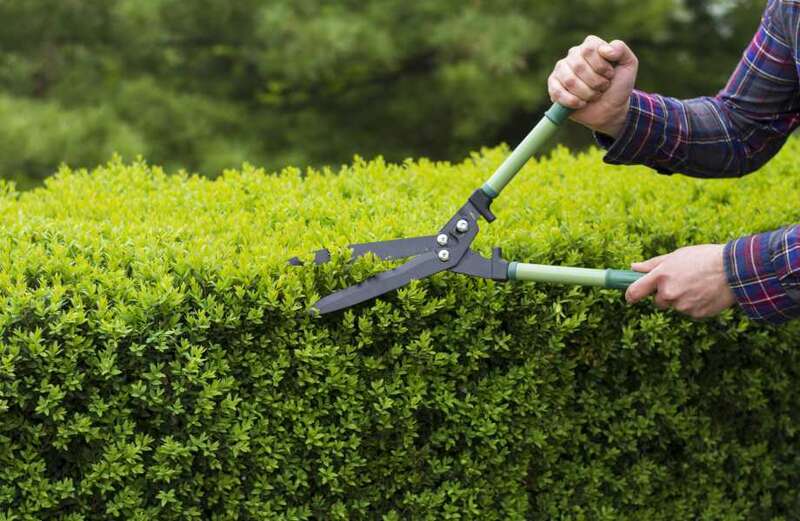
{"points": [[449, 249]]}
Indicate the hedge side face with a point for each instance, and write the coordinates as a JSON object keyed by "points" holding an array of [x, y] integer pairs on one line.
{"points": [[157, 360]]}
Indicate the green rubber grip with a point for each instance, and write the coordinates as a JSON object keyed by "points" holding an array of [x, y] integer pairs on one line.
{"points": [[558, 113], [621, 279]]}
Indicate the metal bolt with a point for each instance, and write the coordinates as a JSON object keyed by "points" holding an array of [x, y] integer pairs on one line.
{"points": [[444, 255], [441, 239], [462, 226]]}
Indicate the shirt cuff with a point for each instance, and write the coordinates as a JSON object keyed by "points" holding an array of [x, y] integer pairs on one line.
{"points": [[641, 135], [755, 281]]}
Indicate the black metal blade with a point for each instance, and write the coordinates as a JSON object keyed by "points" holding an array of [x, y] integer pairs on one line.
{"points": [[320, 257], [387, 250], [397, 248], [420, 267]]}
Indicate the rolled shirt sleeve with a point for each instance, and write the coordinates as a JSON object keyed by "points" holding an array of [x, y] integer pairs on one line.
{"points": [[764, 272]]}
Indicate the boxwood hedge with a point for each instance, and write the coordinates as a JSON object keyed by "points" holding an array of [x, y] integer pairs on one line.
{"points": [[157, 360]]}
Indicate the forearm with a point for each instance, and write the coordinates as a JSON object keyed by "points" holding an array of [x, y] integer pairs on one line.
{"points": [[702, 137]]}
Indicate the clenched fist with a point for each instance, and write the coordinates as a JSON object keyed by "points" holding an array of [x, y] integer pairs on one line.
{"points": [[596, 78]]}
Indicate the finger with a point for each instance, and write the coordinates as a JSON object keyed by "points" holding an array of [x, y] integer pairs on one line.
{"points": [[683, 306], [650, 264], [693, 313], [700, 314], [642, 288], [576, 86], [661, 301], [580, 66], [559, 94], [692, 309], [590, 53], [618, 52]]}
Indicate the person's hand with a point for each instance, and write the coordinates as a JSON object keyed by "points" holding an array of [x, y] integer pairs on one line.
{"points": [[691, 280], [587, 81]]}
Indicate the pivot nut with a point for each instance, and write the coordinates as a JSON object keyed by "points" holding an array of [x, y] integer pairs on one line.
{"points": [[444, 255], [462, 226], [441, 239]]}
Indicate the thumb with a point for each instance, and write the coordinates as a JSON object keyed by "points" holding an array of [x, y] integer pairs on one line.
{"points": [[642, 288], [618, 51], [650, 264]]}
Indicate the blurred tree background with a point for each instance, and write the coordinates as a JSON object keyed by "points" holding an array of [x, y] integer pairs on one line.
{"points": [[207, 84]]}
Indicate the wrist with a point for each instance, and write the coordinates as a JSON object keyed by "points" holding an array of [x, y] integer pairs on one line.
{"points": [[614, 126]]}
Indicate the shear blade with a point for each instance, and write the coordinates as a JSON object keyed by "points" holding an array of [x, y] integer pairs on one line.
{"points": [[397, 248], [420, 267], [386, 250]]}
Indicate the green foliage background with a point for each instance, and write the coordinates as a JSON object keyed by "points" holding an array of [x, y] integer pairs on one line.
{"points": [[157, 360], [209, 84]]}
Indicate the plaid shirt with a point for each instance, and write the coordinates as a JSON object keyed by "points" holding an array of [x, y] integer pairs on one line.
{"points": [[730, 135]]}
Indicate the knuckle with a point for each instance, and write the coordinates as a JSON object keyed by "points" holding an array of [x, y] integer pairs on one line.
{"points": [[579, 67], [696, 314], [593, 39], [570, 82], [563, 97], [683, 307], [668, 293], [587, 51], [599, 84]]}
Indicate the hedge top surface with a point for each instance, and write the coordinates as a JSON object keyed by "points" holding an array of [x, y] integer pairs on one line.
{"points": [[566, 209]]}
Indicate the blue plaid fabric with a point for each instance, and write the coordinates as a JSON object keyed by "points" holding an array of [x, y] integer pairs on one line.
{"points": [[762, 270], [733, 134]]}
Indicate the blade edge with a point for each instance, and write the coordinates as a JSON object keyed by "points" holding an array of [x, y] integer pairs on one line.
{"points": [[418, 268]]}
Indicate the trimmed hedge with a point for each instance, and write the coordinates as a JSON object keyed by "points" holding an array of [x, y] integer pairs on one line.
{"points": [[157, 360]]}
